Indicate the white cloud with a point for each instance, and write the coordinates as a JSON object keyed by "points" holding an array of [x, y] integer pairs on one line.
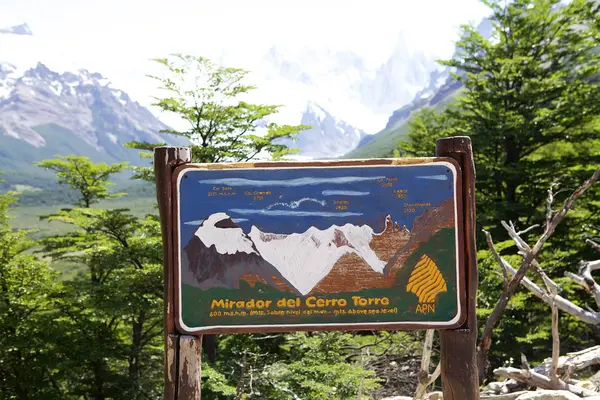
{"points": [[118, 37]]}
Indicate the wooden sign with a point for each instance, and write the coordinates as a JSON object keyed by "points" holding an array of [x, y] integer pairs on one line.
{"points": [[373, 244]]}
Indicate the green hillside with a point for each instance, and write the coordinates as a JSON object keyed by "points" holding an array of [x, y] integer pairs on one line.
{"points": [[384, 142], [18, 158]]}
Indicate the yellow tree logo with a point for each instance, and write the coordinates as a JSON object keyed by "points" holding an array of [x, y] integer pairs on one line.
{"points": [[426, 281]]}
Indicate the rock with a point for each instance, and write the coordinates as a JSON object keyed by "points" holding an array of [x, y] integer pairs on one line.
{"points": [[434, 396], [549, 395], [398, 398], [505, 396], [428, 396], [496, 387]]}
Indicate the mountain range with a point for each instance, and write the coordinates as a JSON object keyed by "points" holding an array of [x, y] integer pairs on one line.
{"points": [[337, 259], [336, 92], [440, 90], [44, 113]]}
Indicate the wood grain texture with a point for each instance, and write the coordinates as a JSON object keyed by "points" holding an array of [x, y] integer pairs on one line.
{"points": [[171, 367], [190, 371], [460, 378], [325, 163], [165, 160]]}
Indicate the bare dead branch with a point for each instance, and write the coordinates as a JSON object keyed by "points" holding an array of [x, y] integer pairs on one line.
{"points": [[490, 242], [555, 346], [594, 245], [577, 279], [585, 272], [524, 362], [589, 317], [524, 231], [533, 378], [528, 257], [523, 249], [424, 376]]}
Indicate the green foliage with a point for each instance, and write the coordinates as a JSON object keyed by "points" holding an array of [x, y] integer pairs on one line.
{"points": [[531, 105], [221, 127], [528, 89], [114, 345], [284, 366], [28, 367], [317, 368], [89, 179]]}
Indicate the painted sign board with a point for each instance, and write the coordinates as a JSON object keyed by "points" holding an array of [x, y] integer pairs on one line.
{"points": [[371, 244]]}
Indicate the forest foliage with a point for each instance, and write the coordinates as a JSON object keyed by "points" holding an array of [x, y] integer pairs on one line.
{"points": [[532, 107]]}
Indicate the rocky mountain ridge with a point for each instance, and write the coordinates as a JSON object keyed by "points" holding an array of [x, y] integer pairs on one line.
{"points": [[339, 258], [85, 103]]}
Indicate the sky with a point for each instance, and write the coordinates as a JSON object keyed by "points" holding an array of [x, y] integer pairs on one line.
{"points": [[118, 37], [297, 199]]}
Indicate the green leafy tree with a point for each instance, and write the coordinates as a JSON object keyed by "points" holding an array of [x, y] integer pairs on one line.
{"points": [[28, 367], [531, 105], [90, 180], [424, 127], [112, 314], [221, 126], [289, 366], [529, 90]]}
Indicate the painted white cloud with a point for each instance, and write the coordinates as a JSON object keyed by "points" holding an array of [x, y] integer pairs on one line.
{"points": [[289, 213], [296, 203], [435, 177], [289, 182], [343, 193]]}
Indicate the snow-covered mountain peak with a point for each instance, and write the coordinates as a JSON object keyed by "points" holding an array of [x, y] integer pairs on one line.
{"points": [[220, 231], [21, 29], [82, 102]]}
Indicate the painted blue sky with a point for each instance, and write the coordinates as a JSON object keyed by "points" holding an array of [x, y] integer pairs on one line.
{"points": [[301, 198]]}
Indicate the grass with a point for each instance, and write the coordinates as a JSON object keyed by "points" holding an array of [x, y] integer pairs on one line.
{"points": [[386, 141], [383, 145], [28, 217]]}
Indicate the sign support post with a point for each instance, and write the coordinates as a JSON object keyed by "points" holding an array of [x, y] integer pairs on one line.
{"points": [[460, 378], [182, 352]]}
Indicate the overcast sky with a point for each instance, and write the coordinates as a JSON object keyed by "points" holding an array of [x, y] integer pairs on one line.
{"points": [[117, 37]]}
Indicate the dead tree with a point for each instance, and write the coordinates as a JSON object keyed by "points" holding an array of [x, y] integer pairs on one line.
{"points": [[548, 375]]}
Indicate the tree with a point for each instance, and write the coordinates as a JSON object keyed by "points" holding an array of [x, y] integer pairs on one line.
{"points": [[113, 313], [220, 126], [531, 104], [529, 91], [27, 286], [89, 179]]}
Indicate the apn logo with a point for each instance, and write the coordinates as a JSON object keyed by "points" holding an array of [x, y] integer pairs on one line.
{"points": [[426, 281]]}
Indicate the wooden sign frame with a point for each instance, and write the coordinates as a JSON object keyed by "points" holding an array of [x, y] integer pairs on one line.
{"points": [[459, 372], [356, 165]]}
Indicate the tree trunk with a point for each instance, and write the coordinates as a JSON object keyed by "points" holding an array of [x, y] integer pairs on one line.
{"points": [[136, 349]]}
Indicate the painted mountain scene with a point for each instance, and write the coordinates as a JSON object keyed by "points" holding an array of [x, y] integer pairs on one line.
{"points": [[293, 247]]}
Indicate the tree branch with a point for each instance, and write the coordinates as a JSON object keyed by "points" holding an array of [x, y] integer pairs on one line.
{"points": [[529, 256]]}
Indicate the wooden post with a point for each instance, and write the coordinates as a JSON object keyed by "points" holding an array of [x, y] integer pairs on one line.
{"points": [[182, 382], [460, 379]]}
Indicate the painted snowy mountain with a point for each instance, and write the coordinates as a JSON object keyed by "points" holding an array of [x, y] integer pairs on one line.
{"points": [[306, 258], [336, 259], [220, 254]]}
